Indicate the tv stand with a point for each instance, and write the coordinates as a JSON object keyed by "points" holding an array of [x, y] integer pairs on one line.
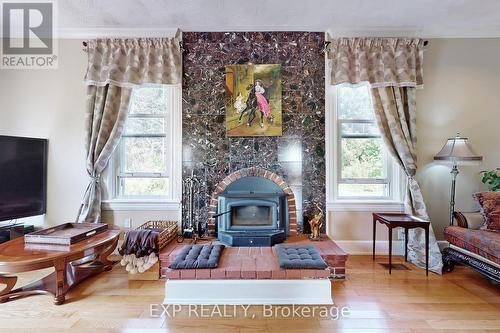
{"points": [[10, 231]]}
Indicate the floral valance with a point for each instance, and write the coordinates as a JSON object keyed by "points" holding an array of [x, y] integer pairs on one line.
{"points": [[380, 61], [132, 61]]}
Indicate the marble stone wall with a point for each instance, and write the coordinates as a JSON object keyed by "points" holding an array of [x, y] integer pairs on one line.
{"points": [[299, 155]]}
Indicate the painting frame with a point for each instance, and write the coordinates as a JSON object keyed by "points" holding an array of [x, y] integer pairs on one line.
{"points": [[254, 100]]}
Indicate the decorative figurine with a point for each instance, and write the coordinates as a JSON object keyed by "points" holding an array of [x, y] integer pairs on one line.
{"points": [[316, 223]]}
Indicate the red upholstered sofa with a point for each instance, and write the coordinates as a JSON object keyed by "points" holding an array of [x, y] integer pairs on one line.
{"points": [[473, 246]]}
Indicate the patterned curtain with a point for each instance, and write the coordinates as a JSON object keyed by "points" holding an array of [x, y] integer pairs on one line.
{"points": [[107, 108], [393, 67], [115, 66], [381, 61], [129, 62], [395, 111]]}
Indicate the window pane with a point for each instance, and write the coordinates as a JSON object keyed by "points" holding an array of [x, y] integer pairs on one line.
{"points": [[148, 100], [354, 102], [349, 129], [363, 190], [144, 155], [145, 186], [137, 126], [362, 158]]}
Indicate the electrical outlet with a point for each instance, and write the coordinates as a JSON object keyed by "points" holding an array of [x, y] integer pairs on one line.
{"points": [[127, 223]]}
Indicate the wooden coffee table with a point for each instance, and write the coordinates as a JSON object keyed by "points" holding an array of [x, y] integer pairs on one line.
{"points": [[405, 221], [72, 264]]}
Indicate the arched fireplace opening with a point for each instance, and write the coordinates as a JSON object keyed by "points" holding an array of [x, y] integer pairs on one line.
{"points": [[252, 207]]}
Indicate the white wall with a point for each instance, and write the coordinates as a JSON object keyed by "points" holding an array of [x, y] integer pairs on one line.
{"points": [[51, 104], [461, 93]]}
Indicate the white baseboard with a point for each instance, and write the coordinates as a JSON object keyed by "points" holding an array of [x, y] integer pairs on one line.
{"points": [[251, 292], [355, 247]]}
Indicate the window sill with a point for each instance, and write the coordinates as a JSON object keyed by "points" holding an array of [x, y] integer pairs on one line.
{"points": [[365, 206], [141, 205]]}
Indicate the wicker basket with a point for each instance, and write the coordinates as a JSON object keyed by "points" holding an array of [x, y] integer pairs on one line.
{"points": [[168, 233]]}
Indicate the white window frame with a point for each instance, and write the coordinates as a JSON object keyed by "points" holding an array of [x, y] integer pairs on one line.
{"points": [[395, 177], [119, 173], [171, 202], [387, 165]]}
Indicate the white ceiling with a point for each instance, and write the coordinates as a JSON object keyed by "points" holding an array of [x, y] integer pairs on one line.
{"points": [[426, 18]]}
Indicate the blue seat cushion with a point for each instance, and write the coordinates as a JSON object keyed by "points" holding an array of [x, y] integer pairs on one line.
{"points": [[198, 256], [299, 256]]}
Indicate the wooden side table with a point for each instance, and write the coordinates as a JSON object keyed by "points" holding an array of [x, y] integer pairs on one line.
{"points": [[406, 221]]}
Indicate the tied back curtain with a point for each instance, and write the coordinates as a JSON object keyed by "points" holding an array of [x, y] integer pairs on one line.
{"points": [[107, 108], [115, 67], [394, 69], [395, 111]]}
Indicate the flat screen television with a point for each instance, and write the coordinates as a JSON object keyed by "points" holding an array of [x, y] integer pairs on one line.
{"points": [[23, 177]]}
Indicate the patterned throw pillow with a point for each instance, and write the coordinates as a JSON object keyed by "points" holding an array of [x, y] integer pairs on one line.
{"points": [[490, 209]]}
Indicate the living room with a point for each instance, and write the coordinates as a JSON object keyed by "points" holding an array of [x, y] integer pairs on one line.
{"points": [[283, 141]]}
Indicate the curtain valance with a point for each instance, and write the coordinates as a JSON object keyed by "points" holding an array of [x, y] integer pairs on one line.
{"points": [[132, 61], [383, 62]]}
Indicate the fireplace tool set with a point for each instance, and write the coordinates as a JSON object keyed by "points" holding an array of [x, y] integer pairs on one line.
{"points": [[191, 225]]}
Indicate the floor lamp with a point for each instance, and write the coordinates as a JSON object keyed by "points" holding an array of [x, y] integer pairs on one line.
{"points": [[456, 151]]}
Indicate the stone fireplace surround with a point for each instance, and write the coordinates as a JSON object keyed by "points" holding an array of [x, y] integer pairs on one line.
{"points": [[297, 156], [253, 172]]}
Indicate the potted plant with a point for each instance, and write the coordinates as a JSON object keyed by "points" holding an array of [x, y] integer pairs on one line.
{"points": [[491, 179]]}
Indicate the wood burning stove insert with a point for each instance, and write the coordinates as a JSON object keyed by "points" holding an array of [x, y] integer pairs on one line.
{"points": [[252, 211]]}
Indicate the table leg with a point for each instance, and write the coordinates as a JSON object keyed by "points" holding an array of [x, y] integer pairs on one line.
{"points": [[427, 251], [406, 244], [10, 282], [390, 250], [44, 286], [374, 236], [61, 284]]}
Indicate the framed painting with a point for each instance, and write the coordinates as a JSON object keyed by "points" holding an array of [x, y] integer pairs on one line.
{"points": [[253, 100]]}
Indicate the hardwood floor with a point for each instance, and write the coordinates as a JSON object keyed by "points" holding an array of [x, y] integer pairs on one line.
{"points": [[405, 301]]}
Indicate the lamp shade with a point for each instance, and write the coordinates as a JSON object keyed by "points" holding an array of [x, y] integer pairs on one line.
{"points": [[457, 150]]}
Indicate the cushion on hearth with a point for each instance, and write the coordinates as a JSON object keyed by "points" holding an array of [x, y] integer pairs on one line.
{"points": [[490, 209], [198, 256], [299, 256]]}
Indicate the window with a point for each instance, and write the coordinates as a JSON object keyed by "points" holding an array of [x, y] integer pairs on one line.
{"points": [[143, 169], [143, 165], [363, 167]]}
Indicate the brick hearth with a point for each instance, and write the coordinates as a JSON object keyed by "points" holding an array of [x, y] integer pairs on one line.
{"points": [[255, 262]]}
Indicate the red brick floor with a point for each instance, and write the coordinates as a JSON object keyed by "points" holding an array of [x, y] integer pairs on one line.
{"points": [[255, 262]]}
